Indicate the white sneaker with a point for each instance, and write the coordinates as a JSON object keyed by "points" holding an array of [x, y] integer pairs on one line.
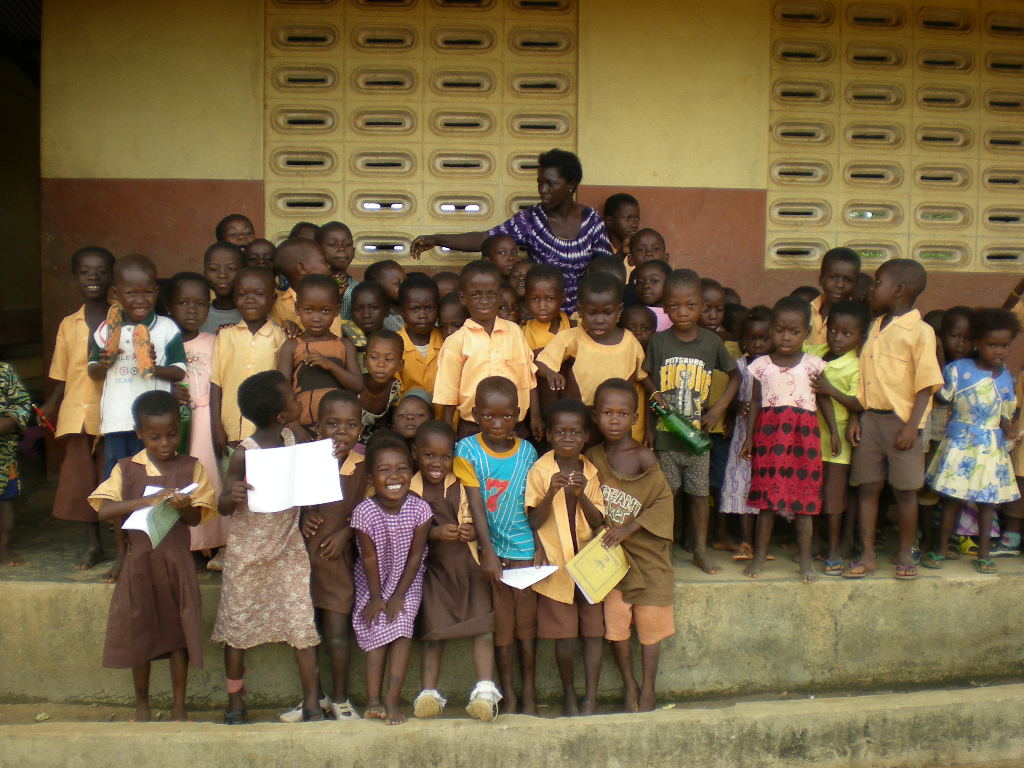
{"points": [[483, 701], [429, 703], [344, 711], [295, 715]]}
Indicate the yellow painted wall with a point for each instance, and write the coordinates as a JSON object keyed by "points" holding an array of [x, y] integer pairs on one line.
{"points": [[674, 93], [154, 89]]}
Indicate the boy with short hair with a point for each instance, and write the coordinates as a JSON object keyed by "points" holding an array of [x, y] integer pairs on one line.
{"points": [[545, 292], [221, 263], [647, 244], [679, 362], [419, 300], [838, 280], [621, 221], [503, 252], [295, 259], [389, 275], [899, 371]]}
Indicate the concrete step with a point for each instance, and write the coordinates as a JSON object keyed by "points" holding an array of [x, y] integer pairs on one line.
{"points": [[972, 727]]}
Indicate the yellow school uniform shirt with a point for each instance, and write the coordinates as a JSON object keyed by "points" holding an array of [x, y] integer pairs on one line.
{"points": [[471, 354], [80, 408], [554, 534], [896, 363], [419, 370], [237, 355], [819, 324], [284, 311], [204, 496], [844, 374], [594, 363], [538, 335]]}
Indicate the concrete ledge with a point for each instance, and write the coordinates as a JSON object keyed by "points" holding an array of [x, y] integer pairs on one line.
{"points": [[734, 638], [942, 728]]}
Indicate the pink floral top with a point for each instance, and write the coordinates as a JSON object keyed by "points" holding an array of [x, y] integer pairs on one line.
{"points": [[787, 386]]}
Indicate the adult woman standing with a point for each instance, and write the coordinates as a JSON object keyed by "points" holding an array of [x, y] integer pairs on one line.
{"points": [[558, 231]]}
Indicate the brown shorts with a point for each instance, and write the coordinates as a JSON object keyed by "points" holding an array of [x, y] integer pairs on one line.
{"points": [[653, 622], [564, 621], [876, 459], [515, 610]]}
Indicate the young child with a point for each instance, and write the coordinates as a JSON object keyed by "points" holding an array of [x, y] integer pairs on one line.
{"points": [[391, 532], [74, 401], [565, 507], [422, 339], [412, 411], [295, 259], [838, 279], [638, 511], [806, 292], [389, 275], [381, 386], [503, 252], [755, 341], [329, 538], [973, 461], [451, 315], [265, 596], [221, 263], [679, 363], [369, 308], [339, 250], [621, 222], [456, 593], [641, 321], [446, 282], [156, 610], [646, 245], [500, 463], [15, 410], [898, 374], [485, 346], [236, 229], [188, 300], [317, 361], [241, 351], [785, 464], [651, 278], [260, 253], [713, 314], [847, 322], [518, 277], [305, 230], [545, 292], [509, 305]]}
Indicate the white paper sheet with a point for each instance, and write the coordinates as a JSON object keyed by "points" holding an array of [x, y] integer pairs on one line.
{"points": [[139, 519], [292, 476], [521, 578]]}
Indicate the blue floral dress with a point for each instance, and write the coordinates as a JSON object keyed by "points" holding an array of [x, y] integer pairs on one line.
{"points": [[972, 462]]}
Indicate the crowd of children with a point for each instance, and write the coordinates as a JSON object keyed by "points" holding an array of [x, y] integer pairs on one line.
{"points": [[479, 428]]}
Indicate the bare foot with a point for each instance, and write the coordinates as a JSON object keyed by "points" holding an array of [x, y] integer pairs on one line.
{"points": [[394, 713], [509, 702], [807, 575], [631, 699], [180, 715], [725, 545], [12, 560], [110, 577], [570, 704], [753, 569], [647, 701], [702, 562], [529, 704], [375, 711], [589, 706], [90, 558], [142, 714]]}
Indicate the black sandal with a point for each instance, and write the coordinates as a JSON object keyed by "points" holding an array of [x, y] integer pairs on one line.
{"points": [[236, 717], [312, 715]]}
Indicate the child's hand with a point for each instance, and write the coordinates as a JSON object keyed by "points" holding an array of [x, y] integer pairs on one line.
{"points": [[220, 440], [537, 427], [659, 399], [822, 386], [373, 609], [421, 244], [539, 558], [180, 500], [318, 360], [837, 444], [240, 492], [853, 431], [615, 536], [560, 480], [395, 606], [447, 532], [748, 444], [291, 330], [905, 437], [181, 393], [741, 408], [311, 523], [577, 482], [333, 545], [467, 532], [709, 419], [556, 381], [106, 359], [491, 566]]}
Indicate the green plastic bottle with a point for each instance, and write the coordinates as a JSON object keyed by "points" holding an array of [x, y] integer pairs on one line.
{"points": [[695, 440]]}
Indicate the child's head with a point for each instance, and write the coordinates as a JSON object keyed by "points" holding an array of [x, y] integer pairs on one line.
{"points": [[621, 216], [221, 263], [611, 265], [518, 277], [188, 300], [317, 303], [389, 467], [156, 423], [304, 229], [616, 408], [955, 333], [451, 314], [260, 253], [755, 336], [92, 268], [933, 319], [732, 315], [992, 331], [683, 301], [339, 249], [862, 290], [496, 408], [645, 245], [838, 277], [369, 307], [502, 251], [731, 295], [791, 324], [568, 427], [412, 411], [806, 292], [447, 282], [135, 286], [508, 305], [640, 320], [235, 229], [254, 293], [600, 304], [434, 450], [545, 292], [339, 418], [848, 321], [713, 296], [266, 398], [418, 301], [480, 290], [651, 278], [298, 257], [388, 274], [384, 350], [898, 282]]}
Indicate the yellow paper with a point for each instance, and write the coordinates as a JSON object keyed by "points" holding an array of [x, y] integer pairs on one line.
{"points": [[597, 570]]}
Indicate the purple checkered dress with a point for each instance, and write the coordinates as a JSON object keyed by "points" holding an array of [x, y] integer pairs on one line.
{"points": [[392, 535]]}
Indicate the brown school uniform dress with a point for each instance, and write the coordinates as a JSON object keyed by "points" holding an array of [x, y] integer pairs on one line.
{"points": [[156, 607], [456, 594], [311, 382], [330, 581]]}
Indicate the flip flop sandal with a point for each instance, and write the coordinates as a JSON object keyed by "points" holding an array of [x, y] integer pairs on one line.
{"points": [[236, 717], [988, 567], [905, 572], [855, 570], [932, 560], [745, 552], [834, 567]]}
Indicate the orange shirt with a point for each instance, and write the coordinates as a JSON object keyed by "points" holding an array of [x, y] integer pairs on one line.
{"points": [[819, 324], [539, 334], [237, 355], [471, 354], [593, 363], [897, 362], [80, 408], [420, 371]]}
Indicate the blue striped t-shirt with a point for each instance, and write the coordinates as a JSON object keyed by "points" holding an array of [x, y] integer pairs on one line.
{"points": [[502, 478]]}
